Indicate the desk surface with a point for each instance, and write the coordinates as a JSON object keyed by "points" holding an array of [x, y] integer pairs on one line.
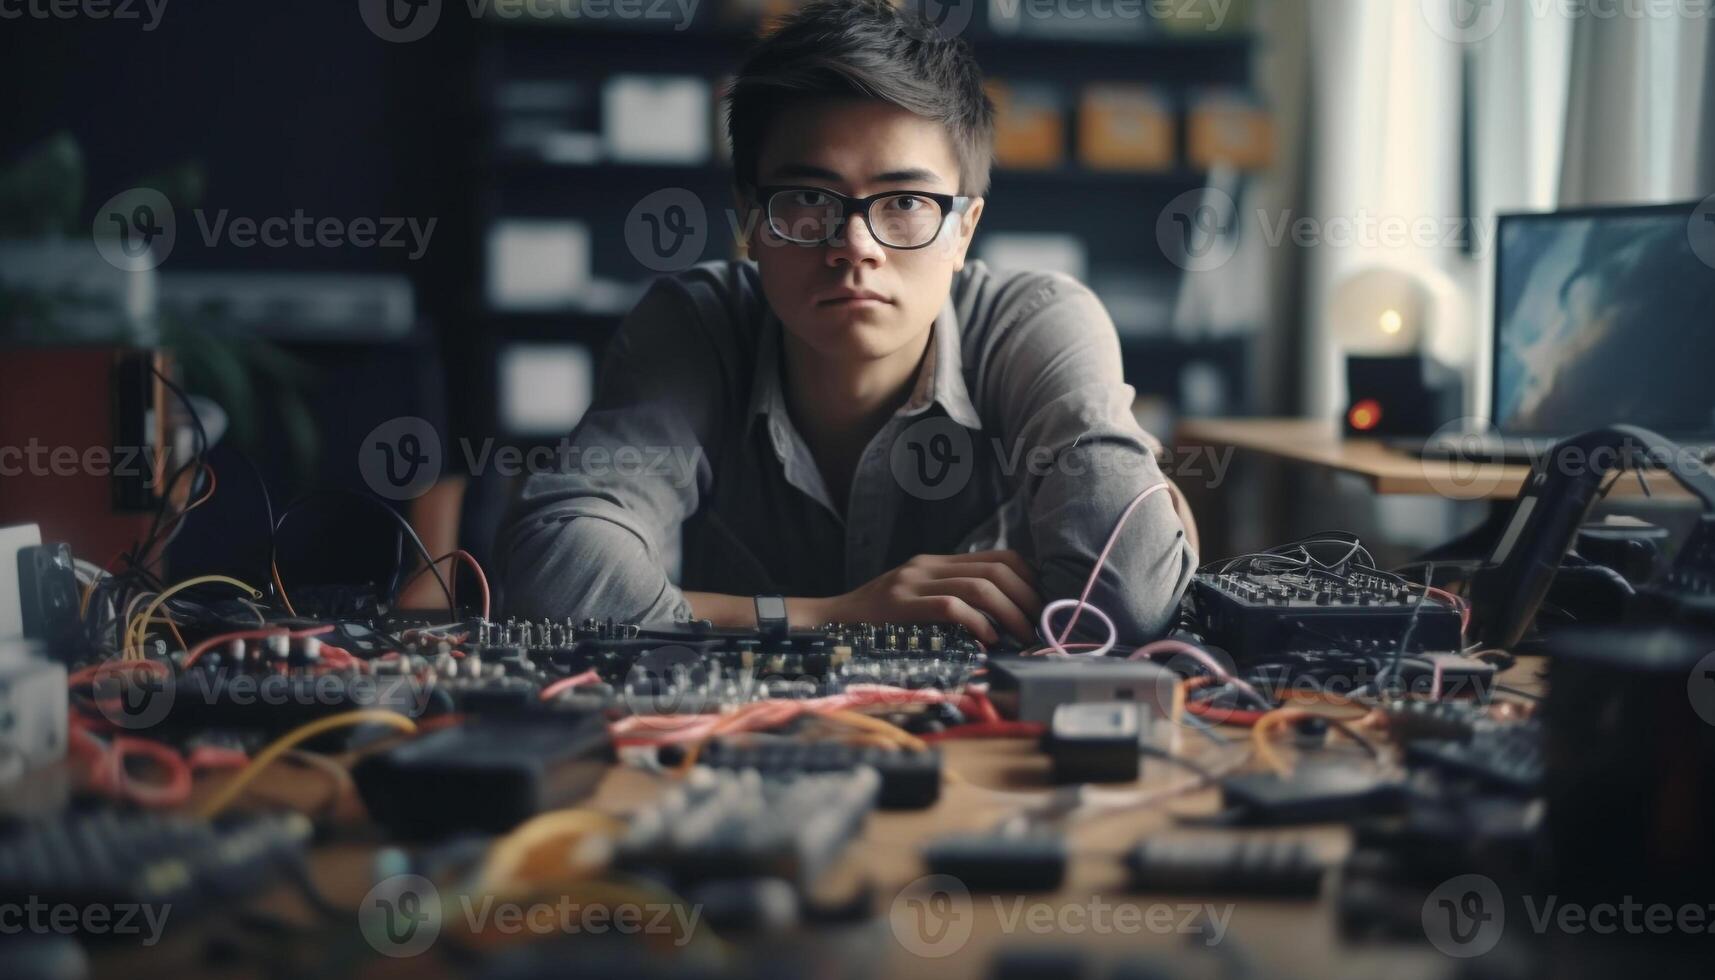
{"points": [[994, 778], [1320, 442]]}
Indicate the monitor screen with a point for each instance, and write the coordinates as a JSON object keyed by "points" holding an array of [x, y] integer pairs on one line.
{"points": [[1603, 317]]}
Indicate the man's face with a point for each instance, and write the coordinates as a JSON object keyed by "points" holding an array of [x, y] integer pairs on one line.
{"points": [[854, 297]]}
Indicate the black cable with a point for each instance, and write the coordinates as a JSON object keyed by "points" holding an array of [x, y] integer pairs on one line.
{"points": [[1194, 768], [422, 549], [1410, 627]]}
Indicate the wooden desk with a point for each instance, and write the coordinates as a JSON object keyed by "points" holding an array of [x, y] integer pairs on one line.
{"points": [[1320, 442], [994, 778]]}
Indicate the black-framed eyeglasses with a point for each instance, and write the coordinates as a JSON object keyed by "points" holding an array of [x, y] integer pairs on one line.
{"points": [[897, 219]]}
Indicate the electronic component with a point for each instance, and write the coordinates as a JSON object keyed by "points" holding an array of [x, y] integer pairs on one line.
{"points": [[909, 780], [698, 668], [490, 774], [13, 541], [47, 593], [741, 824], [1255, 615], [1000, 863], [1552, 505], [33, 708], [1508, 756], [1095, 743], [105, 858], [1409, 721], [1225, 864], [1312, 794], [1030, 688]]}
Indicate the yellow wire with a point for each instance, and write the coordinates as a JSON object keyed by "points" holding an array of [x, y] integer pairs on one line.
{"points": [[509, 855], [893, 733], [141, 628], [280, 746], [1260, 736]]}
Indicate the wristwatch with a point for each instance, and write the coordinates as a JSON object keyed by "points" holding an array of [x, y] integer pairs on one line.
{"points": [[771, 616]]}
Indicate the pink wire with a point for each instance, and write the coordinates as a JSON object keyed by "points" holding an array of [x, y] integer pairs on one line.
{"points": [[1083, 601], [1201, 656]]}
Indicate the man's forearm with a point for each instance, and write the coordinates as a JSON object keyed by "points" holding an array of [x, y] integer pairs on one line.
{"points": [[738, 611]]}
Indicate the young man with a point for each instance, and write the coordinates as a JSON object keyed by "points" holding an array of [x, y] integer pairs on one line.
{"points": [[859, 418]]}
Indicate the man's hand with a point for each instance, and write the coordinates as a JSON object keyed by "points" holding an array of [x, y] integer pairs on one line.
{"points": [[964, 589]]}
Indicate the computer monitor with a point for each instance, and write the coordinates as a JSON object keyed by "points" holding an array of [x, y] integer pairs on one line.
{"points": [[1603, 315]]}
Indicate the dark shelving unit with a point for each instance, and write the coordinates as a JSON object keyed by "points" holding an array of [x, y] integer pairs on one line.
{"points": [[1113, 212]]}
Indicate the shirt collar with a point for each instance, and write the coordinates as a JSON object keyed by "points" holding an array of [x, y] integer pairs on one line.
{"points": [[941, 379]]}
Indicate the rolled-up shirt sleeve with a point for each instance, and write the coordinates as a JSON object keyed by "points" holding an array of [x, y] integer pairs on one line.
{"points": [[594, 537], [1059, 387]]}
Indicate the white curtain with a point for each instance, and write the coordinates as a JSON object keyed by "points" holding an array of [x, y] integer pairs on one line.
{"points": [[1569, 104]]}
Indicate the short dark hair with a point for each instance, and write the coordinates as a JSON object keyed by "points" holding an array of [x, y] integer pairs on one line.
{"points": [[868, 49]]}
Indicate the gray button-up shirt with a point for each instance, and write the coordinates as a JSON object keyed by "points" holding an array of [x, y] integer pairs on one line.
{"points": [[1018, 434]]}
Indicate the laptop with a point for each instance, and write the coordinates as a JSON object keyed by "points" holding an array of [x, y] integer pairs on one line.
{"points": [[1602, 315]]}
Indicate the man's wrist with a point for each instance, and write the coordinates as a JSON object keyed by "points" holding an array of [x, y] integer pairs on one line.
{"points": [[808, 611]]}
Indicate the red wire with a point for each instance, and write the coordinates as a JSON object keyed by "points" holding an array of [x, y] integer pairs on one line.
{"points": [[567, 683], [1225, 715]]}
